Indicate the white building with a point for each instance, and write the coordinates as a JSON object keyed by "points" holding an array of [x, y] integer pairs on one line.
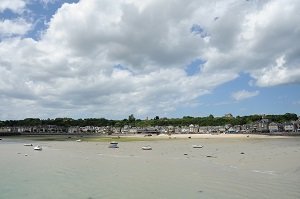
{"points": [[288, 127]]}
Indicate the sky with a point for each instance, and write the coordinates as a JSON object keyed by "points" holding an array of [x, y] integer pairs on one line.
{"points": [[171, 58]]}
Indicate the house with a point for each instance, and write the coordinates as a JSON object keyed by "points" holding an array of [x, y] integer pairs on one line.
{"points": [[273, 127], [288, 127], [116, 130], [253, 127], [238, 128], [221, 129], [133, 130], [185, 129], [9, 131], [73, 129], [213, 130], [5, 129], [193, 128], [245, 128], [231, 130], [177, 130], [263, 126], [26, 129], [297, 125], [203, 129], [171, 129], [125, 129]]}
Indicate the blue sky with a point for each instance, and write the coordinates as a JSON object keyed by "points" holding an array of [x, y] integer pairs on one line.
{"points": [[38, 12], [41, 14], [101, 58], [271, 100]]}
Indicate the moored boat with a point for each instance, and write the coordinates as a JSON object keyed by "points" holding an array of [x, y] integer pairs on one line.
{"points": [[197, 146], [27, 144], [38, 148], [113, 144], [146, 148]]}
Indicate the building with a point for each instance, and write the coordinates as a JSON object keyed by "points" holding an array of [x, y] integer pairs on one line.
{"points": [[288, 127], [73, 130], [297, 125], [263, 126], [193, 129], [5, 129], [203, 129], [273, 127]]}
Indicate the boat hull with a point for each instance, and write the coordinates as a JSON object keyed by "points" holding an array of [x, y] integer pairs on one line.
{"points": [[146, 148]]}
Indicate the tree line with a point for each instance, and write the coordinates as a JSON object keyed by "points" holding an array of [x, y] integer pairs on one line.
{"points": [[156, 121]]}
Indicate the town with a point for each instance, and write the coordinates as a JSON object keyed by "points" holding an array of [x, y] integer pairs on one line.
{"points": [[261, 126]]}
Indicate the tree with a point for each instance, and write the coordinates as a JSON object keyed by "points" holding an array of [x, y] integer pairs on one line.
{"points": [[211, 116], [131, 119]]}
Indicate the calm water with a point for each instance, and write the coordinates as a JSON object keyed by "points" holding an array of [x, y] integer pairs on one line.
{"points": [[269, 168]]}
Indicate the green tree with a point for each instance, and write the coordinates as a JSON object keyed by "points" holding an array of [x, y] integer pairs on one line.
{"points": [[131, 119]]}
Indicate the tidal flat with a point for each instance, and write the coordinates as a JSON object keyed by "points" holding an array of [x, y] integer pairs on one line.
{"points": [[223, 168]]}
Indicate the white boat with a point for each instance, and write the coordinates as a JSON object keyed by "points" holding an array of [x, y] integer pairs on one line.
{"points": [[146, 148], [27, 144], [78, 140], [197, 146], [113, 144], [38, 148]]}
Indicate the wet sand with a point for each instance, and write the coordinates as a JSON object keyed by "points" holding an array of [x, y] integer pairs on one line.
{"points": [[223, 168], [222, 135]]}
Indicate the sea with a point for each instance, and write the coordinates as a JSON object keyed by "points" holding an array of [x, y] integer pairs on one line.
{"points": [[224, 168]]}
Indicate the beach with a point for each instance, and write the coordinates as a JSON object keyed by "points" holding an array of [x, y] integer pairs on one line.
{"points": [[234, 167], [222, 135]]}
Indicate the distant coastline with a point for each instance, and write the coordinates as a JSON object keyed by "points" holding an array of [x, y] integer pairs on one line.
{"points": [[145, 137], [228, 126]]}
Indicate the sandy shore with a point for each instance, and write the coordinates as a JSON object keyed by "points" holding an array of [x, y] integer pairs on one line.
{"points": [[143, 137], [207, 136]]}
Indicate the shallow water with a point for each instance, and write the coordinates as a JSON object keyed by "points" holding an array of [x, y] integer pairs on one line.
{"points": [[235, 168]]}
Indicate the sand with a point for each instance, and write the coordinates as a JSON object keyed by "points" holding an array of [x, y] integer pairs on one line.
{"points": [[207, 136]]}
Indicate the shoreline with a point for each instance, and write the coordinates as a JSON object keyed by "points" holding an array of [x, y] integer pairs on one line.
{"points": [[208, 136], [146, 137]]}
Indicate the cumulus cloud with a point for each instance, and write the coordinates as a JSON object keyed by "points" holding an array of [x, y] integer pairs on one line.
{"points": [[16, 6], [73, 68], [243, 94], [277, 74], [14, 27], [263, 32]]}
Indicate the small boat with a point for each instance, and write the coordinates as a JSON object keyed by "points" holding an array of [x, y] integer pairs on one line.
{"points": [[78, 140], [146, 148], [37, 148], [113, 144], [197, 146], [27, 144]]}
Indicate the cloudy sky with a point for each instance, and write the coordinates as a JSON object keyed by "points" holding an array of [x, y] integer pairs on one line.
{"points": [[171, 58]]}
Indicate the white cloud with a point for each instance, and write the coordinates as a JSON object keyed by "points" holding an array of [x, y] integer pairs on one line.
{"points": [[277, 74], [13, 27], [243, 94], [16, 6], [252, 42], [71, 69]]}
